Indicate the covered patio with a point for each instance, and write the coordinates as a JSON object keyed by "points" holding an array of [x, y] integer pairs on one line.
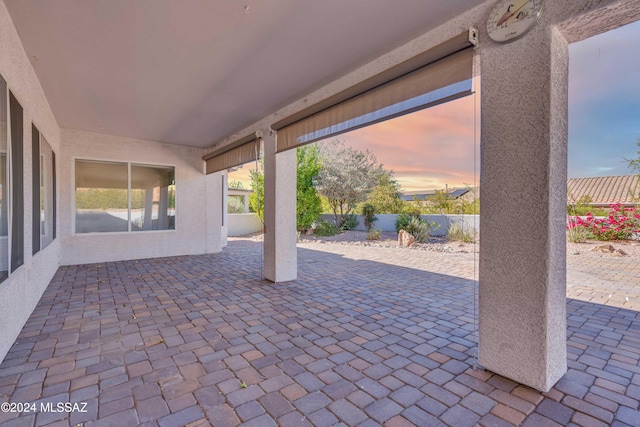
{"points": [[365, 336], [138, 110]]}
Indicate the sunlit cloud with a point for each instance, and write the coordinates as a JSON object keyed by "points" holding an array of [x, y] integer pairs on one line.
{"points": [[429, 149]]}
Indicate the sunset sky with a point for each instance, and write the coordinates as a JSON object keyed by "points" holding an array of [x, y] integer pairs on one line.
{"points": [[435, 147], [604, 102]]}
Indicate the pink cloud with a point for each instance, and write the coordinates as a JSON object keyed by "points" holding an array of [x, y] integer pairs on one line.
{"points": [[427, 149]]}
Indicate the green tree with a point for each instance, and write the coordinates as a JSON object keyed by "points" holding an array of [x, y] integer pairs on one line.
{"points": [[440, 203], [369, 213], [236, 185], [346, 178], [634, 164], [385, 196], [308, 204], [235, 205], [256, 198]]}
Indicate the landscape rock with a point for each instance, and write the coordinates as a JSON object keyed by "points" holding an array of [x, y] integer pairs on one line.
{"points": [[603, 248], [405, 239], [618, 252]]}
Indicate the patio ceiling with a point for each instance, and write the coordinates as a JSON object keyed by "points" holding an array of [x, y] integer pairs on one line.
{"points": [[193, 73]]}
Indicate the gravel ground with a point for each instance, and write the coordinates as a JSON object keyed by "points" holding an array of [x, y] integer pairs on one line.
{"points": [[630, 247], [389, 239]]}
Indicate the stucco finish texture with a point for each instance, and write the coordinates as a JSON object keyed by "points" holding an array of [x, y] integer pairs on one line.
{"points": [[20, 293], [189, 236], [280, 252]]}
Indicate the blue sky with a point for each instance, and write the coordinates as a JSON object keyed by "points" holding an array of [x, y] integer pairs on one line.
{"points": [[604, 102]]}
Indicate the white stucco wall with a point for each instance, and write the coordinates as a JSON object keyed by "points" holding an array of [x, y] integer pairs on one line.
{"points": [[20, 293], [243, 224], [189, 237], [387, 222], [224, 194]]}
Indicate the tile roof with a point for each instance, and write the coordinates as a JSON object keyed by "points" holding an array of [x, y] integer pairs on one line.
{"points": [[604, 190]]}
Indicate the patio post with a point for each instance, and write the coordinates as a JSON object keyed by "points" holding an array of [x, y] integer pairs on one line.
{"points": [[148, 204], [522, 295], [280, 252], [215, 240]]}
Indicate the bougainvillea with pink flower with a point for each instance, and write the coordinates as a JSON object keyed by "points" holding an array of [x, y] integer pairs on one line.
{"points": [[622, 223]]}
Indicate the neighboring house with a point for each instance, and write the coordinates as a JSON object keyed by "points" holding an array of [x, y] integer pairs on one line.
{"points": [[605, 190], [454, 193]]}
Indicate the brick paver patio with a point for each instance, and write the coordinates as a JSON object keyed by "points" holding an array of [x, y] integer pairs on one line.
{"points": [[366, 336]]}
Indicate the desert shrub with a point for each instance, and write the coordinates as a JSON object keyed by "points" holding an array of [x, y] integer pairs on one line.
{"points": [[403, 219], [578, 234], [412, 208], [107, 198], [325, 228], [622, 223], [368, 210], [235, 204], [419, 229], [458, 233], [583, 210], [350, 222], [374, 234], [582, 207]]}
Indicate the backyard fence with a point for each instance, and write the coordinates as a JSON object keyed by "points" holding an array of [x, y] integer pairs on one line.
{"points": [[243, 224], [387, 222]]}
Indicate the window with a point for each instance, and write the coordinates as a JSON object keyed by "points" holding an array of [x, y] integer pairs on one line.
{"points": [[4, 184], [11, 183], [112, 197], [43, 192], [17, 183], [36, 189], [153, 198]]}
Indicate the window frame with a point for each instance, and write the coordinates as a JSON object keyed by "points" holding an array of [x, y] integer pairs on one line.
{"points": [[43, 168], [36, 180], [15, 183], [7, 199], [15, 174]]}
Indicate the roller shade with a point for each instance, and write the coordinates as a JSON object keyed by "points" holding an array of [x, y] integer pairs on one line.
{"points": [[439, 75], [242, 151]]}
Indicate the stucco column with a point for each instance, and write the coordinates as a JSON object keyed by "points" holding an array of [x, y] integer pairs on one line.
{"points": [[224, 207], [213, 185], [280, 253], [163, 206], [522, 307], [148, 209]]}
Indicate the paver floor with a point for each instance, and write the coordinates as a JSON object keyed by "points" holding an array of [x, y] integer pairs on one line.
{"points": [[365, 336]]}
